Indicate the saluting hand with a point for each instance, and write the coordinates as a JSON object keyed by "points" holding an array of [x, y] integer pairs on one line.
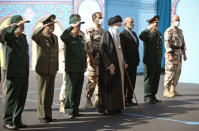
{"points": [[22, 22]]}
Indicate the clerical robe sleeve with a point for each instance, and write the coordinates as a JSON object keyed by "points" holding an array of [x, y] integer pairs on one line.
{"points": [[104, 52]]}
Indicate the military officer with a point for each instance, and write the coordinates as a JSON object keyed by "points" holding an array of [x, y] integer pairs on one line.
{"points": [[152, 41], [93, 37], [175, 49], [75, 64], [63, 87], [46, 67], [17, 66]]}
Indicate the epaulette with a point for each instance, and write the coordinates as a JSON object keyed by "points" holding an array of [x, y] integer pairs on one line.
{"points": [[90, 29]]}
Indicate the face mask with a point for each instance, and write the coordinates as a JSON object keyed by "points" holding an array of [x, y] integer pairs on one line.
{"points": [[101, 22], [176, 23], [116, 29], [156, 28], [50, 30]]}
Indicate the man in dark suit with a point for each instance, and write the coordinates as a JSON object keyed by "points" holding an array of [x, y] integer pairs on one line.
{"points": [[130, 45]]}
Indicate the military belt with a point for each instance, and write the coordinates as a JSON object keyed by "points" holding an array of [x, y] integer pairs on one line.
{"points": [[177, 47]]}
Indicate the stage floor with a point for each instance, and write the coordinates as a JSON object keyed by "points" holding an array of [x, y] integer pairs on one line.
{"points": [[177, 114]]}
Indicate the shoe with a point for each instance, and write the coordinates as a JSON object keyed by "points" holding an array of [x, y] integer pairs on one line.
{"points": [[131, 103], [10, 126], [96, 102], [51, 120], [44, 120], [89, 103], [21, 125], [100, 111], [69, 116], [119, 111], [157, 101], [80, 109], [150, 101], [78, 115], [172, 91], [167, 93]]}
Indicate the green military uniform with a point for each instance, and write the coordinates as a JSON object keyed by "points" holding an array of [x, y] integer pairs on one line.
{"points": [[75, 64], [17, 66], [46, 68], [93, 38], [152, 56]]}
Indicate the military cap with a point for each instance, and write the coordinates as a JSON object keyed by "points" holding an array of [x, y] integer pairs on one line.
{"points": [[49, 19], [114, 20], [154, 19], [17, 19], [75, 20]]}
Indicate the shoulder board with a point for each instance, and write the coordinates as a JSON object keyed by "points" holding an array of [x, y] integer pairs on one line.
{"points": [[90, 29]]}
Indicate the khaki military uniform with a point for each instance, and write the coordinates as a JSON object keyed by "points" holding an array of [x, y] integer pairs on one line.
{"points": [[174, 43], [93, 38], [3, 78], [46, 69]]}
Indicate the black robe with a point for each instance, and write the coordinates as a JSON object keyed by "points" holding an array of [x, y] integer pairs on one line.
{"points": [[110, 86]]}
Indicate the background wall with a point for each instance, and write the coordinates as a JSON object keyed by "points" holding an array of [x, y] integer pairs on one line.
{"points": [[189, 23], [140, 10], [36, 10]]}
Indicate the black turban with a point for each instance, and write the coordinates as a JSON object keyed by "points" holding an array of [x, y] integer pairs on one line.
{"points": [[114, 20]]}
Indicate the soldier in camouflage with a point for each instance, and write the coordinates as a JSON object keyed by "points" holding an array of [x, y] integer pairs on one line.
{"points": [[175, 48], [93, 37]]}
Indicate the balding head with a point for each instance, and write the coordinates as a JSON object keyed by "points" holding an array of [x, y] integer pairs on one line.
{"points": [[128, 23], [176, 21], [175, 18]]}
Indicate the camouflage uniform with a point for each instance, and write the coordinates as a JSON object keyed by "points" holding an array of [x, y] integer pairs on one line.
{"points": [[174, 43], [93, 38]]}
